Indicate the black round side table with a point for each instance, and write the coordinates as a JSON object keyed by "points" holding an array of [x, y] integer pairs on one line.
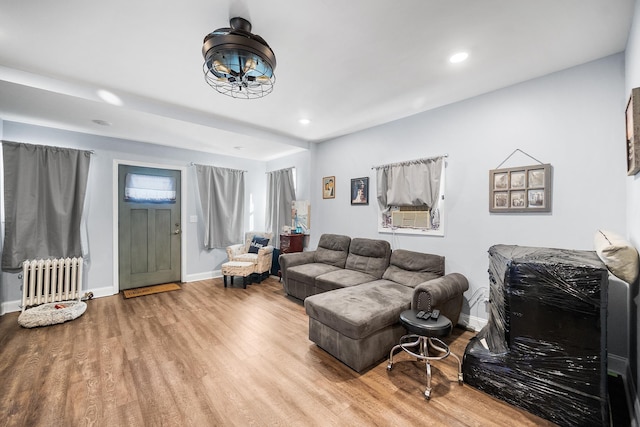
{"points": [[424, 335]]}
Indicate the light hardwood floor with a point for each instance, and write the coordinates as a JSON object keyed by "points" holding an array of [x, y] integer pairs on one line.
{"points": [[210, 356]]}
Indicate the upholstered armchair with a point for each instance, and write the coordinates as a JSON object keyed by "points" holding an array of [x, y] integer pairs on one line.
{"points": [[257, 249], [444, 293]]}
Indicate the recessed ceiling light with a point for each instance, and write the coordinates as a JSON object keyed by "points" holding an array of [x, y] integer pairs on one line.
{"points": [[458, 57], [304, 121], [101, 122], [109, 97]]}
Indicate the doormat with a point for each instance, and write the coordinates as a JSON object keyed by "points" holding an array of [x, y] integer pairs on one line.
{"points": [[148, 290]]}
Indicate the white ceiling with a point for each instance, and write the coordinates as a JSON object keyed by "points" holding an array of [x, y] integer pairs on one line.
{"points": [[345, 64]]}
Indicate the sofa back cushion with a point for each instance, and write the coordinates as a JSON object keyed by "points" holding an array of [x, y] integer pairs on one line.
{"points": [[333, 249], [369, 256], [412, 268], [249, 235]]}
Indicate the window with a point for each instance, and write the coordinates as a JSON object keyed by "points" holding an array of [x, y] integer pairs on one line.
{"points": [[411, 197], [149, 188]]}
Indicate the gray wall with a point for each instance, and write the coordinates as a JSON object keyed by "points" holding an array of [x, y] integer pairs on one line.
{"points": [[200, 262], [570, 119]]}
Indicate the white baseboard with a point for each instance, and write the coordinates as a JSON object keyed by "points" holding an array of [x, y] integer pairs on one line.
{"points": [[10, 307], [105, 291], [203, 276], [471, 322], [617, 364], [13, 306]]}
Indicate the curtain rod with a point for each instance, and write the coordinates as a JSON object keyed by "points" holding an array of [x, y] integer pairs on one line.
{"points": [[407, 162], [283, 169], [219, 167], [44, 145]]}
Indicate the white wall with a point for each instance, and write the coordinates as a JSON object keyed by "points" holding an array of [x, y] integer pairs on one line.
{"points": [[632, 80], [200, 262], [302, 162], [570, 119]]}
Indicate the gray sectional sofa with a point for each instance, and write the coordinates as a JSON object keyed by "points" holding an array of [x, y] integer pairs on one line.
{"points": [[355, 289]]}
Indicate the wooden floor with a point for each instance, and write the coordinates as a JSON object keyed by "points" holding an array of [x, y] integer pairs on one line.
{"points": [[209, 356]]}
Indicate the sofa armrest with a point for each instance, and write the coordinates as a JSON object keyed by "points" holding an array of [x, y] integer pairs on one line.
{"points": [[265, 259], [235, 250], [444, 293], [296, 258], [265, 250]]}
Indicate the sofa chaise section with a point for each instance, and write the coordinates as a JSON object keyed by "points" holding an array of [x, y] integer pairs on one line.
{"points": [[360, 324]]}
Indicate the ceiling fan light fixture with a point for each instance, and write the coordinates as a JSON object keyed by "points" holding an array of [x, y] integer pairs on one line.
{"points": [[238, 63]]}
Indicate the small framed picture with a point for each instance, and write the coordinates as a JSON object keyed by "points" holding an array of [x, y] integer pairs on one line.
{"points": [[329, 187], [633, 132], [501, 200], [517, 179], [536, 178], [536, 199], [360, 191], [520, 190], [518, 199], [500, 181]]}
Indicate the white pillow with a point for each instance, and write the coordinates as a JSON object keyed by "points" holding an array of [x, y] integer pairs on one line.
{"points": [[617, 254]]}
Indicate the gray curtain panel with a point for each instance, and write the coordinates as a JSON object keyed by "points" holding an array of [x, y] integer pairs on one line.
{"points": [[222, 198], [44, 193], [280, 194], [413, 183]]}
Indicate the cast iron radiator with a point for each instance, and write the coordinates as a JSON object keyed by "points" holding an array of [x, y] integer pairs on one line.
{"points": [[51, 280]]}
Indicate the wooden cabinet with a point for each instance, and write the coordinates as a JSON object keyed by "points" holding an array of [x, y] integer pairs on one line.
{"points": [[291, 243]]}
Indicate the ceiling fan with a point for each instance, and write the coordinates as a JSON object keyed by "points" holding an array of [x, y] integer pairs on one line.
{"points": [[237, 62]]}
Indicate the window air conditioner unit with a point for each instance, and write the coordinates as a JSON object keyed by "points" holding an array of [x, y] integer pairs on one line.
{"points": [[410, 219]]}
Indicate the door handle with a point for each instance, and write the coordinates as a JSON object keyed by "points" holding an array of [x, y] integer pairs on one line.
{"points": [[177, 231]]}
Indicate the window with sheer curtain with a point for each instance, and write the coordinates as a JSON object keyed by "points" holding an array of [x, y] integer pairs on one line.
{"points": [[149, 188], [411, 196]]}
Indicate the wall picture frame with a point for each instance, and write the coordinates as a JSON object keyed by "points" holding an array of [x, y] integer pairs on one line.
{"points": [[360, 191], [329, 187], [632, 118], [524, 189]]}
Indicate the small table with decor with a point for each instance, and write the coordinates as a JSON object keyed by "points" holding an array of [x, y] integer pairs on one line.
{"points": [[290, 243]]}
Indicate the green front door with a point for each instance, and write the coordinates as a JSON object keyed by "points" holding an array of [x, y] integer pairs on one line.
{"points": [[148, 226]]}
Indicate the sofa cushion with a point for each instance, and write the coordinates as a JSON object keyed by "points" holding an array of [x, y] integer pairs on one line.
{"points": [[620, 257], [249, 235], [369, 256], [412, 268], [309, 272], [333, 249], [341, 278], [359, 311], [257, 243]]}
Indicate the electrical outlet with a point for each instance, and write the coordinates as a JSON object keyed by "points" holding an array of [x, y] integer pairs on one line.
{"points": [[193, 218]]}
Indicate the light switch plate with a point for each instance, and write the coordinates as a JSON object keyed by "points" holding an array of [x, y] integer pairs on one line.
{"points": [[193, 218]]}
